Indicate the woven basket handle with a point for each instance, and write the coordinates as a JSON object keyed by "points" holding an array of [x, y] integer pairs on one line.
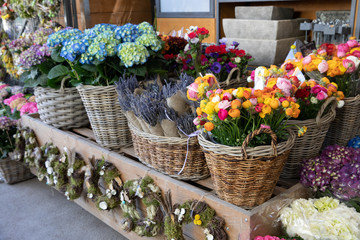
{"points": [[257, 132], [63, 83], [230, 75], [330, 100]]}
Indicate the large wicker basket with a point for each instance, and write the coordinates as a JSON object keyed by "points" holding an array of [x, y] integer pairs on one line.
{"points": [[13, 171], [309, 145], [346, 124], [246, 176], [61, 108], [108, 123], [168, 154], [230, 82]]}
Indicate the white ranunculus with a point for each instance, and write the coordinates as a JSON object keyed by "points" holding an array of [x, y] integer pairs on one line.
{"points": [[216, 99], [340, 104], [355, 60], [234, 92], [103, 205]]}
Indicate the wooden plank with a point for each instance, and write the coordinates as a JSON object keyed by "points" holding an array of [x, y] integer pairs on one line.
{"points": [[206, 183], [86, 132], [278, 190], [236, 225]]}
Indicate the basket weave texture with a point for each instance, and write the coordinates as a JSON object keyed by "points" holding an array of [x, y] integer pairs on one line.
{"points": [[246, 176], [309, 145], [346, 124], [61, 108], [13, 171], [234, 82], [167, 155], [107, 121]]}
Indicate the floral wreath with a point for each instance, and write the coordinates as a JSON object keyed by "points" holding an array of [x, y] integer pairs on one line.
{"points": [[198, 212], [107, 174], [18, 153], [58, 169], [149, 193], [30, 145], [75, 174], [91, 180], [50, 154]]}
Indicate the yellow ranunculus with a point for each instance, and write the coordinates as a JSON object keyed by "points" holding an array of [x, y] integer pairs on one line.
{"points": [[266, 109], [267, 100], [210, 108], [246, 104], [274, 103], [240, 92], [203, 88], [285, 103], [271, 82]]}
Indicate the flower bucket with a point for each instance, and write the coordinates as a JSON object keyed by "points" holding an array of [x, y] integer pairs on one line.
{"points": [[246, 176], [180, 158], [346, 124], [234, 82], [13, 171], [309, 145], [107, 121], [61, 108]]}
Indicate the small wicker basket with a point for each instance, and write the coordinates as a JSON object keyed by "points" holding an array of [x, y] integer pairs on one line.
{"points": [[107, 121], [13, 171], [234, 82], [346, 124], [309, 145], [168, 154], [61, 108], [246, 176]]}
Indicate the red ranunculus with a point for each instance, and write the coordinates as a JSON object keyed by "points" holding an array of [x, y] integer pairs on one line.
{"points": [[302, 93], [289, 66]]}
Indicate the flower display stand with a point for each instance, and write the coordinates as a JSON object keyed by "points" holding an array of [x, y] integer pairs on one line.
{"points": [[240, 223]]}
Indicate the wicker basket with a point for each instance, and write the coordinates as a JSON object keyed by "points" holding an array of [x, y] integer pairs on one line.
{"points": [[346, 124], [309, 145], [61, 108], [167, 155], [14, 171], [246, 176], [109, 124], [235, 82]]}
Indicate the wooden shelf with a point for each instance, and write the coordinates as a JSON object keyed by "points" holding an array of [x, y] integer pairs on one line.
{"points": [[240, 223]]}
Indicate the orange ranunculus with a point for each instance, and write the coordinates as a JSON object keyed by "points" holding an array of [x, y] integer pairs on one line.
{"points": [[246, 104], [247, 94], [332, 89], [262, 115], [289, 112], [340, 95], [285, 103], [266, 109], [199, 111], [298, 55], [274, 104], [312, 83], [257, 93], [303, 85], [260, 99], [198, 80], [325, 80], [296, 113], [329, 93], [271, 82], [209, 126], [234, 113], [235, 104]]}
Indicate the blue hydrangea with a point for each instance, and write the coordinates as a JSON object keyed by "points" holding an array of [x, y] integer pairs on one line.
{"points": [[75, 46], [99, 28], [132, 54], [61, 36], [127, 32], [149, 40], [103, 45], [146, 28]]}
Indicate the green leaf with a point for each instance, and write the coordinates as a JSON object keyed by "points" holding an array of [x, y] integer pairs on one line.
{"points": [[55, 55], [138, 70], [42, 79], [89, 67], [24, 76], [33, 73], [75, 82], [54, 83], [46, 66], [58, 71], [81, 71]]}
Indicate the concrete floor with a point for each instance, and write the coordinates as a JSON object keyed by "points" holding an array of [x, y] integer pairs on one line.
{"points": [[31, 210]]}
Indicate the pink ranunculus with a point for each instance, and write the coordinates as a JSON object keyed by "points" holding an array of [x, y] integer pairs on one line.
{"points": [[352, 43], [3, 86], [307, 60], [193, 90], [253, 101], [225, 104], [232, 65], [321, 51], [349, 65], [356, 53], [222, 114], [253, 75], [218, 91], [208, 93], [284, 85], [29, 107], [268, 237], [323, 66], [343, 47], [281, 99], [321, 96], [211, 80], [259, 238], [227, 96], [316, 89], [196, 121], [12, 98], [341, 54]]}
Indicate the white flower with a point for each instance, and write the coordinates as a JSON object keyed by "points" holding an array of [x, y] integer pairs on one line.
{"points": [[51, 158], [234, 92], [90, 195], [206, 231], [107, 191], [182, 211], [66, 193], [101, 172], [50, 170], [113, 192], [177, 211], [355, 60], [103, 205], [187, 48], [209, 237], [340, 104], [314, 100], [109, 195], [194, 40], [192, 29], [216, 99], [70, 171], [47, 164], [249, 79], [32, 140], [153, 188], [237, 59]]}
